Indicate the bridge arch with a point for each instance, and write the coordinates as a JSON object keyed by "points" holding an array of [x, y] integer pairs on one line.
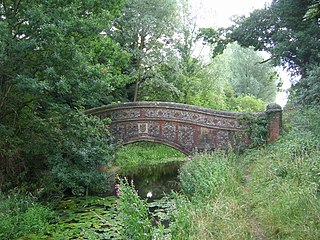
{"points": [[184, 127], [160, 141]]}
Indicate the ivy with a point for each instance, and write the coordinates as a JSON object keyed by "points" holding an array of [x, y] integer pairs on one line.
{"points": [[256, 128]]}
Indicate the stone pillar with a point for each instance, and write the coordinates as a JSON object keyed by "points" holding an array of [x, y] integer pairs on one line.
{"points": [[274, 118]]}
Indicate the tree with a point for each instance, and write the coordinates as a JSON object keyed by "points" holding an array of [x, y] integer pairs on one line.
{"points": [[54, 60], [145, 29], [283, 30], [184, 77], [313, 12], [242, 68], [307, 92]]}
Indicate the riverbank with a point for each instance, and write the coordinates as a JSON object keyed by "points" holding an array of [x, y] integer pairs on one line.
{"points": [[267, 193]]}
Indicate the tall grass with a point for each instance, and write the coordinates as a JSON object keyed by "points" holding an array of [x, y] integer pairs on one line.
{"points": [[22, 214], [213, 207], [285, 183], [267, 193]]}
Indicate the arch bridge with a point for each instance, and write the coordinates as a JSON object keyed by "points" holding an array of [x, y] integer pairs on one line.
{"points": [[186, 128]]}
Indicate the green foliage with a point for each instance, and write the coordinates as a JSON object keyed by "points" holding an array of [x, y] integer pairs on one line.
{"points": [[256, 129], [145, 29], [287, 173], [90, 217], [288, 30], [146, 153], [313, 12], [134, 214], [56, 59], [282, 30], [275, 196], [65, 152], [208, 175], [79, 150], [213, 207], [244, 70], [216, 38], [21, 215], [246, 103], [306, 92], [224, 217]]}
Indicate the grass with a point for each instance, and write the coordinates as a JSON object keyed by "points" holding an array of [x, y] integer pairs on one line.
{"points": [[21, 214], [146, 153], [267, 193]]}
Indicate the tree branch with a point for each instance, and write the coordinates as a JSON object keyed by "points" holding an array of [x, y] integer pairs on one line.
{"points": [[267, 60]]}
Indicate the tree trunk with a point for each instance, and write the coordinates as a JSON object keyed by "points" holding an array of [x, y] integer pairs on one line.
{"points": [[136, 89]]}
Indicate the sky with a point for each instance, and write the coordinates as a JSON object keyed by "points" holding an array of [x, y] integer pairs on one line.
{"points": [[218, 13]]}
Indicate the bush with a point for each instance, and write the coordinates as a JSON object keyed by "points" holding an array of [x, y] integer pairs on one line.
{"points": [[80, 148], [21, 215], [134, 214], [246, 103], [64, 150]]}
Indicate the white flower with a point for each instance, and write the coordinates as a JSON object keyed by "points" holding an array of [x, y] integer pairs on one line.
{"points": [[149, 194]]}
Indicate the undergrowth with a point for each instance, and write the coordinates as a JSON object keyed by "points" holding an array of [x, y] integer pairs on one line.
{"points": [[21, 214], [266, 193]]}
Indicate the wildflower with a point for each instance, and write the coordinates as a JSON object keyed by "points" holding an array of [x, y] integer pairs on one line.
{"points": [[117, 190], [149, 195]]}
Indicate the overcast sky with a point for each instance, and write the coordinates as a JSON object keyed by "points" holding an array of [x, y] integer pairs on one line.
{"points": [[218, 12]]}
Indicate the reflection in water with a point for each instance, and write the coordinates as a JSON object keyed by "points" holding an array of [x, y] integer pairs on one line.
{"points": [[159, 180]]}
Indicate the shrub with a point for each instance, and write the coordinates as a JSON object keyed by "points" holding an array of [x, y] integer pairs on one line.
{"points": [[71, 148], [21, 215], [66, 149], [134, 214], [246, 103]]}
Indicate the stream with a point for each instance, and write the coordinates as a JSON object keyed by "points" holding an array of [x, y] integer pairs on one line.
{"points": [[95, 217]]}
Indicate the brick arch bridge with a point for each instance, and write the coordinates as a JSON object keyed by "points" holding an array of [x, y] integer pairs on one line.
{"points": [[184, 127]]}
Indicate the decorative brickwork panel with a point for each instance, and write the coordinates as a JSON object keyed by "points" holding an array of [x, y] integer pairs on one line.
{"points": [[184, 127], [185, 136], [154, 129], [169, 131]]}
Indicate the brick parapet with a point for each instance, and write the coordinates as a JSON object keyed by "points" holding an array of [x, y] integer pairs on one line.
{"points": [[274, 118], [184, 127]]}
